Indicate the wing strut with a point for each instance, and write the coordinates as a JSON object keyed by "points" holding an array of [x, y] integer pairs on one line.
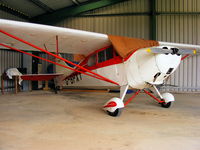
{"points": [[57, 49], [49, 61], [45, 51], [185, 57]]}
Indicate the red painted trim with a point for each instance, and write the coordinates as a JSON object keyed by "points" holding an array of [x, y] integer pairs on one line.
{"points": [[185, 56], [125, 59], [39, 77], [131, 98], [96, 51], [111, 104], [112, 61], [158, 100], [80, 67]]}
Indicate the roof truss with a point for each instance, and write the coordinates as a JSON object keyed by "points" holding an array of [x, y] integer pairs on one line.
{"points": [[50, 18], [14, 12], [42, 5]]}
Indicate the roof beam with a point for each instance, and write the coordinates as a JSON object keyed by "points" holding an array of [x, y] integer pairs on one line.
{"points": [[76, 2], [60, 14], [13, 11], [153, 14], [42, 5]]}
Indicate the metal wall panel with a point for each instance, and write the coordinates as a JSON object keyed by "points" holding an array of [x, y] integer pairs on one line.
{"points": [[25, 7], [178, 5], [9, 59], [181, 28], [132, 26], [45, 64], [124, 7], [5, 15]]}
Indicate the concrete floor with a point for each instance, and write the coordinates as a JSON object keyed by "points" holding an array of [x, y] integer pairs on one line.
{"points": [[74, 121]]}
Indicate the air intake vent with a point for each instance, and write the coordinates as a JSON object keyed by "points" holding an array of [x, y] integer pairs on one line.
{"points": [[170, 70]]}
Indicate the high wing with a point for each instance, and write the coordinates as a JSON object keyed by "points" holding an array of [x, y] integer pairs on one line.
{"points": [[70, 40]]}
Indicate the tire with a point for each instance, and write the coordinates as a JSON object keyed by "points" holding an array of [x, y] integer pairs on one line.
{"points": [[166, 105], [57, 88], [116, 113]]}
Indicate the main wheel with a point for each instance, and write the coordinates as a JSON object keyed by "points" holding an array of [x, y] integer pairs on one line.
{"points": [[57, 88], [166, 105], [116, 113]]}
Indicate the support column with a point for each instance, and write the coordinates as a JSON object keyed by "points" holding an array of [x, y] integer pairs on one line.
{"points": [[153, 14]]}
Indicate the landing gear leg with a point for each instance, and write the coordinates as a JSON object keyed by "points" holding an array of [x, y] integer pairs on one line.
{"points": [[115, 105], [166, 98]]}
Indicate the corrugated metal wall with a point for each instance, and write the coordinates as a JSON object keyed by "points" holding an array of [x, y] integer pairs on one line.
{"points": [[45, 64], [9, 59], [181, 28], [125, 25], [5, 15], [172, 28]]}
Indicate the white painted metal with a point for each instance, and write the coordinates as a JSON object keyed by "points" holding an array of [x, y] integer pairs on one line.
{"points": [[157, 91], [168, 97], [70, 40], [118, 101], [123, 90]]}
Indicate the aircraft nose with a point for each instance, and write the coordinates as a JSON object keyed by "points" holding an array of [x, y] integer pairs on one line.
{"points": [[168, 63]]}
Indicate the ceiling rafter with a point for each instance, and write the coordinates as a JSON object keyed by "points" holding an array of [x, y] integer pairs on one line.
{"points": [[42, 5], [51, 18], [14, 11], [76, 2]]}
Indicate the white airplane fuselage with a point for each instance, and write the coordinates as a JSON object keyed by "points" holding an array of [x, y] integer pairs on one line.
{"points": [[138, 71]]}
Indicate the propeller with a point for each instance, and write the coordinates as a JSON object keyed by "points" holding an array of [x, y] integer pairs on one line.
{"points": [[173, 51]]}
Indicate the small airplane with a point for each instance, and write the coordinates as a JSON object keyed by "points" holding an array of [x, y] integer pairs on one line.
{"points": [[107, 60]]}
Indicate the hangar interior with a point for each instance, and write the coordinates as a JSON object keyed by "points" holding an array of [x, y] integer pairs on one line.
{"points": [[162, 20], [75, 120]]}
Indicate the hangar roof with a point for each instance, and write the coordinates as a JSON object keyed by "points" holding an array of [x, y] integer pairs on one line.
{"points": [[44, 11]]}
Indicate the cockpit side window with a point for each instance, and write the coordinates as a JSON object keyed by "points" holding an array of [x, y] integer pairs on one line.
{"points": [[109, 53], [101, 56], [105, 55], [92, 60]]}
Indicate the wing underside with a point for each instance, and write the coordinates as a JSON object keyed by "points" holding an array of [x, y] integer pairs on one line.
{"points": [[69, 40]]}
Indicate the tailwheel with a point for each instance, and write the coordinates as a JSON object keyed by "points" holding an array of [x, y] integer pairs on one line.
{"points": [[116, 113], [166, 105]]}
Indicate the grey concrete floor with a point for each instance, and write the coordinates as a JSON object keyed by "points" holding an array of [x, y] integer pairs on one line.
{"points": [[75, 121]]}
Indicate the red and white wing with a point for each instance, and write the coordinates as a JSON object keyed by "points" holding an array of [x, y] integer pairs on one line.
{"points": [[70, 40]]}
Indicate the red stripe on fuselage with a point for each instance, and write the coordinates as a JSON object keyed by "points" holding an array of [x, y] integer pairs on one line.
{"points": [[115, 60]]}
